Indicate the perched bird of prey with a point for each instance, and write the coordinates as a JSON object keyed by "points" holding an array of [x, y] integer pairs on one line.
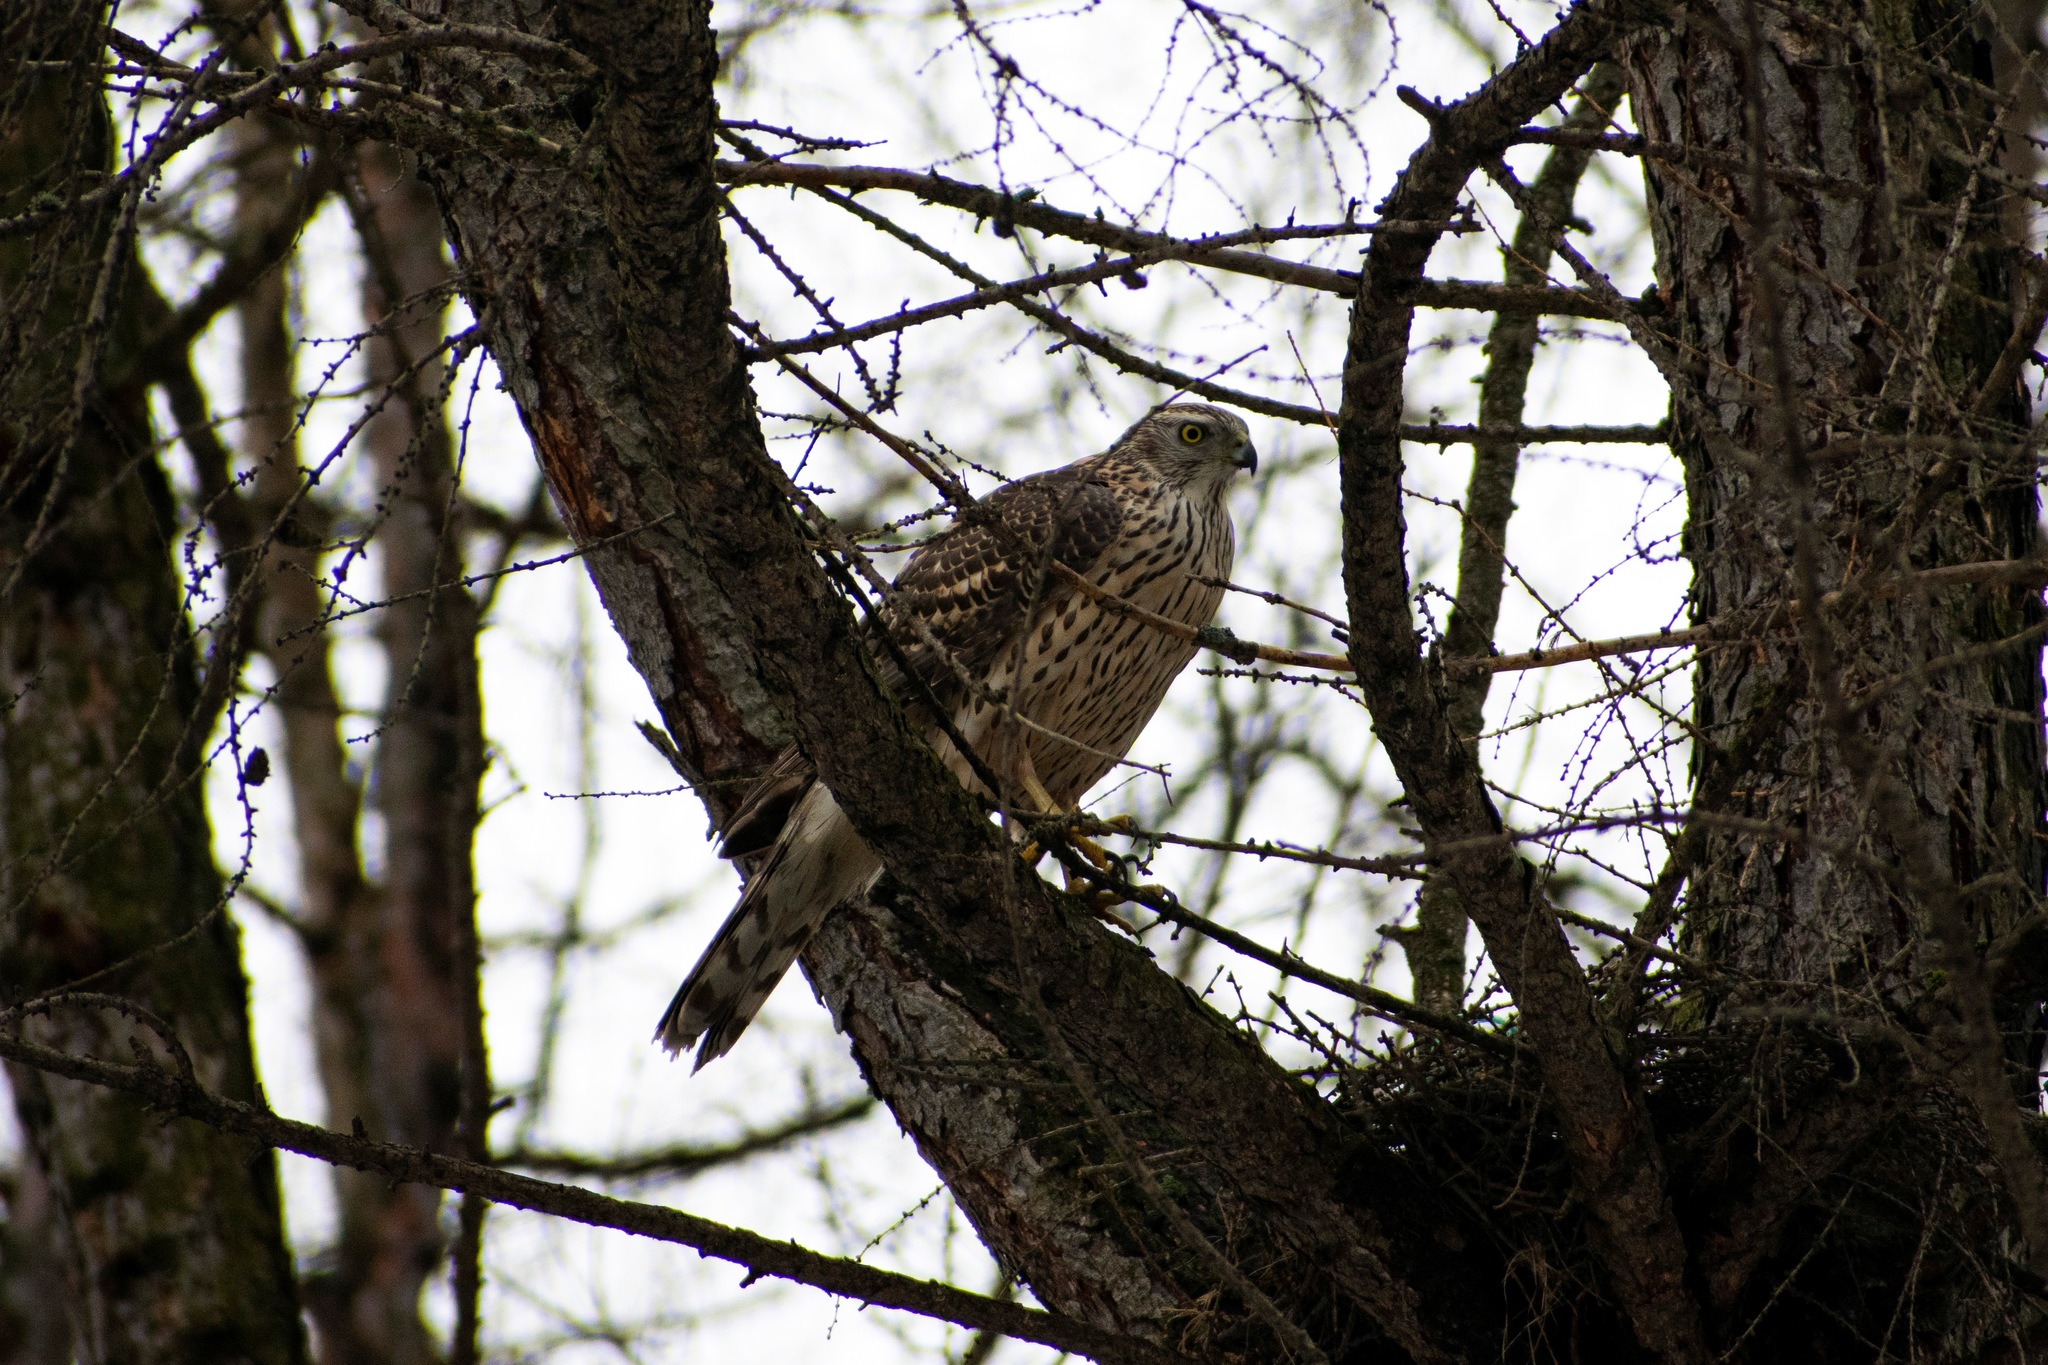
{"points": [[1047, 684]]}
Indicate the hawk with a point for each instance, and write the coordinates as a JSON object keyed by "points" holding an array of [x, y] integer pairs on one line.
{"points": [[1049, 686]]}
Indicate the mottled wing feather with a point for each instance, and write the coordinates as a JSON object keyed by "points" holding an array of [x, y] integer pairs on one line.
{"points": [[972, 586], [967, 610], [754, 825]]}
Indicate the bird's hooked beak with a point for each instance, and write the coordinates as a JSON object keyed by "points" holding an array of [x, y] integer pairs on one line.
{"points": [[1247, 458]]}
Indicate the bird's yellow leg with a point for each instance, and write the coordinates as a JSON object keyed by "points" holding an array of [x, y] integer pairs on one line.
{"points": [[1040, 797], [1092, 851], [1102, 899], [1099, 900], [1095, 854], [1035, 792]]}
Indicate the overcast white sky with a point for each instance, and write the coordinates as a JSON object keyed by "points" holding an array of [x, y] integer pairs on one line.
{"points": [[985, 387]]}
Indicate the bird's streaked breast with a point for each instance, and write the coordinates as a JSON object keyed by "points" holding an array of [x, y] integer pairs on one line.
{"points": [[1095, 677]]}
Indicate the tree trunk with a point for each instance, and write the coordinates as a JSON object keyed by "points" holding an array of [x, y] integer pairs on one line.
{"points": [[1840, 324], [1849, 414], [174, 1242], [604, 297], [430, 1057], [34, 1328], [393, 964]]}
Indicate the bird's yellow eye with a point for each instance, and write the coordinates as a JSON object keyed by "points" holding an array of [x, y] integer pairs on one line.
{"points": [[1193, 432]]}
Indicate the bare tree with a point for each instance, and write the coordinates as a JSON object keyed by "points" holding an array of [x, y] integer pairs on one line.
{"points": [[1784, 1105]]}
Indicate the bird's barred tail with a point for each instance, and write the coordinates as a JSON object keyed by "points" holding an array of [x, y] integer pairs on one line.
{"points": [[816, 863]]}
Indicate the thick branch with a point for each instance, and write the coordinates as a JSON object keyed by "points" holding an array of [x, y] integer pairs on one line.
{"points": [[1608, 1136], [638, 402], [1435, 944]]}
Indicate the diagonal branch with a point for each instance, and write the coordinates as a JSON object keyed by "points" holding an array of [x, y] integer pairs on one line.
{"points": [[1611, 1145], [638, 402], [172, 1095]]}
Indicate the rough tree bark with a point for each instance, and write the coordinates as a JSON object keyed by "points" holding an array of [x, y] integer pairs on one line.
{"points": [[172, 1233], [1840, 319], [1899, 735]]}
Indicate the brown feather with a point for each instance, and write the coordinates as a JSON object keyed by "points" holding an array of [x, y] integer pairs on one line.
{"points": [[759, 817], [1146, 520]]}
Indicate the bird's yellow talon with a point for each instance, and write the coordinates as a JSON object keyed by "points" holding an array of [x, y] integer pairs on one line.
{"points": [[1092, 851], [1102, 904]]}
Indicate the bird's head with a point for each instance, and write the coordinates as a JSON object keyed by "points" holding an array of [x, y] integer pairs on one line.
{"points": [[1192, 443]]}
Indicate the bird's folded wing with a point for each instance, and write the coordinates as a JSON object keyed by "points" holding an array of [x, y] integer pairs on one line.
{"points": [[767, 804], [968, 590]]}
